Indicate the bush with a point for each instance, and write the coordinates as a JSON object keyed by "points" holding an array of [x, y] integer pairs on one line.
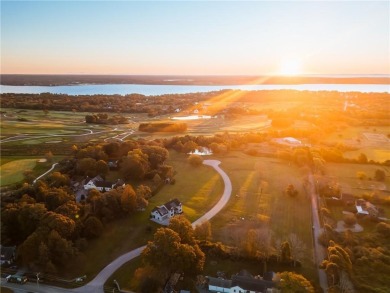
{"points": [[195, 160], [383, 229], [350, 220]]}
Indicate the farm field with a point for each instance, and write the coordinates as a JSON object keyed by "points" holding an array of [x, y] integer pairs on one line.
{"points": [[346, 176], [258, 191], [375, 154]]}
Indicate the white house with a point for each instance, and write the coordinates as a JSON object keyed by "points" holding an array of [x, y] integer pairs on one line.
{"points": [[242, 282], [7, 254], [162, 214], [101, 185]]}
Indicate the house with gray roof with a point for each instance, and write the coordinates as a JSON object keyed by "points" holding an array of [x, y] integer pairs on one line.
{"points": [[162, 214]]}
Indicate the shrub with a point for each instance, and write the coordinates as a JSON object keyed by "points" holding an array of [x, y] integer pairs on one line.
{"points": [[195, 160], [350, 220]]}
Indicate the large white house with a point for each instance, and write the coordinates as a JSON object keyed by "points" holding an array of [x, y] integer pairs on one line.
{"points": [[242, 282], [101, 185], [162, 214]]}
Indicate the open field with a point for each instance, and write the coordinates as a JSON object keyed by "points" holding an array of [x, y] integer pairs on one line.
{"points": [[375, 154], [347, 134], [12, 172], [258, 190], [346, 176]]}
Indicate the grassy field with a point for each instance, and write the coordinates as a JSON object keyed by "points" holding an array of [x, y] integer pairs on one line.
{"points": [[258, 189], [12, 172], [346, 176], [123, 235], [376, 154]]}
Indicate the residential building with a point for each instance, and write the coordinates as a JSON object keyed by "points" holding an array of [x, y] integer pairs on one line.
{"points": [[243, 282], [162, 214], [102, 185], [8, 254]]}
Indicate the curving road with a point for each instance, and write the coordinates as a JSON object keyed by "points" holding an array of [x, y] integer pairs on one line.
{"points": [[96, 285]]}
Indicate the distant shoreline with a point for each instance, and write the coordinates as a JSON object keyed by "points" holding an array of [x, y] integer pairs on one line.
{"points": [[58, 80]]}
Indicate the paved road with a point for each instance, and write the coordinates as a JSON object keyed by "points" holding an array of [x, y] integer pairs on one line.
{"points": [[96, 285], [225, 196], [319, 251]]}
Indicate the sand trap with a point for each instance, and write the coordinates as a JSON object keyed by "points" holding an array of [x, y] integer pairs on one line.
{"points": [[42, 161], [54, 141]]}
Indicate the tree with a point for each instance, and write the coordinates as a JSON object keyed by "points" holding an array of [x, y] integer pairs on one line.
{"points": [[362, 159], [195, 160], [156, 155], [43, 255], [128, 199], [166, 252], [70, 209], [350, 220], [135, 165], [189, 146], [182, 226], [291, 191], [156, 179], [93, 227], [102, 167], [203, 231], [291, 282], [57, 179], [380, 175], [86, 166], [61, 250], [57, 197], [62, 224], [285, 252], [49, 156], [297, 247]]}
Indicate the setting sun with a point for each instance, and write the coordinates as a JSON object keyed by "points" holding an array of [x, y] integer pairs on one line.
{"points": [[290, 67]]}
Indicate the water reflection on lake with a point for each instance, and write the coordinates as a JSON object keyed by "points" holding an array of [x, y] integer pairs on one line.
{"points": [[125, 89]]}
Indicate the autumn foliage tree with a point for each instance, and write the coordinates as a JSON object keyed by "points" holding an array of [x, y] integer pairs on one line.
{"points": [[175, 250]]}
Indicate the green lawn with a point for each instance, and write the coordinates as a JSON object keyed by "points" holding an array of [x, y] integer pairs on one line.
{"points": [[376, 154], [258, 189], [12, 172], [346, 176]]}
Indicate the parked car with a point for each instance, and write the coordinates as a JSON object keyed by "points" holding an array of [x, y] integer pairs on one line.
{"points": [[16, 279]]}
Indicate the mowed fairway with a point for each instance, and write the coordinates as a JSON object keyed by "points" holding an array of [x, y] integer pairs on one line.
{"points": [[12, 172]]}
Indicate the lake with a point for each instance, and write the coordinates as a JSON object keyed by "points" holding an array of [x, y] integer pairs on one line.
{"points": [[148, 90]]}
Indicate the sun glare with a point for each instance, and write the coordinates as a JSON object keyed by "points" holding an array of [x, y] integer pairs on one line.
{"points": [[290, 67]]}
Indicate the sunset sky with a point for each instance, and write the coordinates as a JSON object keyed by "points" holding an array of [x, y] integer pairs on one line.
{"points": [[212, 38]]}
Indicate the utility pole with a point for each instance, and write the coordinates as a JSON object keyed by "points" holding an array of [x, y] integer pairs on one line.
{"points": [[38, 279]]}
